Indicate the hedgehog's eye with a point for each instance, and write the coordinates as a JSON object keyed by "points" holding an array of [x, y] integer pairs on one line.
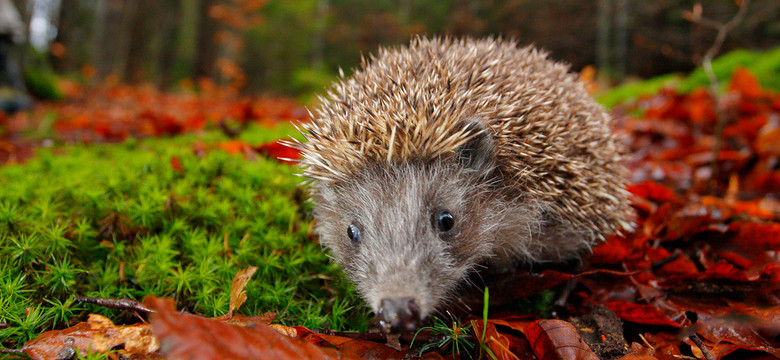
{"points": [[445, 221], [353, 233]]}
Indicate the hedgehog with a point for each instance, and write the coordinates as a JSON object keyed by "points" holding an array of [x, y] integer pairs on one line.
{"points": [[450, 156]]}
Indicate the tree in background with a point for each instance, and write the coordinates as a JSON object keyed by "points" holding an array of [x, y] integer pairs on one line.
{"points": [[206, 48], [295, 47]]}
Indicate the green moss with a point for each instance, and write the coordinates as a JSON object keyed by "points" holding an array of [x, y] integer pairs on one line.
{"points": [[723, 67], [634, 90], [118, 221], [764, 65]]}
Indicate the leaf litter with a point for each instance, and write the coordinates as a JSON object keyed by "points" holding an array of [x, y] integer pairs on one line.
{"points": [[699, 277]]}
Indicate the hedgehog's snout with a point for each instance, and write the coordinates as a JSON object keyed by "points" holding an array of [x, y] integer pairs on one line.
{"points": [[399, 314]]}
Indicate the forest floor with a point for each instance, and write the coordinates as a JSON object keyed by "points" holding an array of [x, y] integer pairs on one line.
{"points": [[123, 193]]}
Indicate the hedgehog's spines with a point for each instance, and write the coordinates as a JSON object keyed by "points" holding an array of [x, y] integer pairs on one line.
{"points": [[553, 142]]}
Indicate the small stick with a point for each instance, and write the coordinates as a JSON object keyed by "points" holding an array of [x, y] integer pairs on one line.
{"points": [[11, 351], [723, 30], [703, 347], [667, 260], [122, 304]]}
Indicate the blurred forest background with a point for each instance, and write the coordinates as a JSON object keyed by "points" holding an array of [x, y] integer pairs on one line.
{"points": [[284, 47]]}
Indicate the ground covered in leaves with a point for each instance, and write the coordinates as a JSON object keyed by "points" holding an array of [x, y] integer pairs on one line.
{"points": [[191, 207]]}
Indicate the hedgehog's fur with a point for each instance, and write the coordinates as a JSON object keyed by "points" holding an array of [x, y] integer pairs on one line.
{"points": [[549, 149]]}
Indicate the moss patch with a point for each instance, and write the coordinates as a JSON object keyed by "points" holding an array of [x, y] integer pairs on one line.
{"points": [[119, 221], [765, 65]]}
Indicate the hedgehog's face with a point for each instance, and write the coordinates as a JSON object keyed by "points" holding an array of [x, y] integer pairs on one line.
{"points": [[407, 233]]}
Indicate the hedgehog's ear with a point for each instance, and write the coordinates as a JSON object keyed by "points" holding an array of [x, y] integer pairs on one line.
{"points": [[479, 152]]}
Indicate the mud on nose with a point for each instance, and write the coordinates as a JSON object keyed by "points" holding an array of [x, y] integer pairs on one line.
{"points": [[399, 314]]}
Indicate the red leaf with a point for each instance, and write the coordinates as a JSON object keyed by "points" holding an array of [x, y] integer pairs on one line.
{"points": [[685, 222], [757, 236], [700, 106], [681, 265], [723, 271], [653, 191], [769, 142], [744, 83], [233, 146], [736, 259], [557, 340], [176, 164], [194, 123], [640, 314], [613, 251], [280, 151]]}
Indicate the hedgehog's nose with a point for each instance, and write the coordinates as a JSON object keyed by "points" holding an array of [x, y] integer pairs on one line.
{"points": [[399, 314]]}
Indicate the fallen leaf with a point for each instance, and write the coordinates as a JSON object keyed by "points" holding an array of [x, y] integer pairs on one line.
{"points": [[653, 191], [363, 349], [99, 335], [744, 83], [557, 340], [176, 164], [280, 151], [498, 344], [640, 314], [186, 336], [237, 293]]}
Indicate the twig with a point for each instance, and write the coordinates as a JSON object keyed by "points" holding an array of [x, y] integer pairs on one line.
{"points": [[662, 262], [122, 304], [723, 30], [11, 351], [702, 346]]}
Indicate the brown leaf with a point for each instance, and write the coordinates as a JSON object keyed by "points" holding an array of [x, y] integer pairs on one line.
{"points": [[557, 340], [98, 334], [653, 191], [768, 142], [638, 357], [185, 336], [363, 349], [512, 320], [237, 293], [498, 344]]}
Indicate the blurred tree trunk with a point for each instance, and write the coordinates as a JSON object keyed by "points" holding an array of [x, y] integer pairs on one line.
{"points": [[111, 36], [318, 38], [603, 25], [612, 24], [404, 11], [621, 37], [169, 28], [68, 36], [141, 34], [206, 49]]}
